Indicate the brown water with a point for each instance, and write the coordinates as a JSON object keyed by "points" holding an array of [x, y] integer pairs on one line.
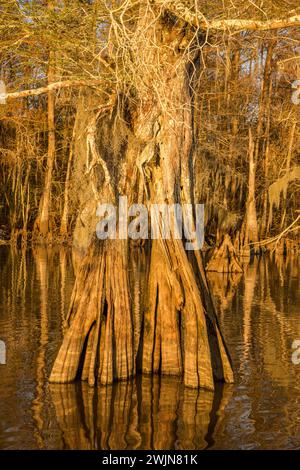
{"points": [[260, 317]]}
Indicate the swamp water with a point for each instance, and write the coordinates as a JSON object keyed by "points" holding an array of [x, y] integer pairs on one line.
{"points": [[259, 313]]}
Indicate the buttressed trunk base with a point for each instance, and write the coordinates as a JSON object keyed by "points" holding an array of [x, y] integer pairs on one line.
{"points": [[161, 327]]}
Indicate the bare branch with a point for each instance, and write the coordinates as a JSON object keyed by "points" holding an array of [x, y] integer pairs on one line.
{"points": [[199, 21], [51, 87]]}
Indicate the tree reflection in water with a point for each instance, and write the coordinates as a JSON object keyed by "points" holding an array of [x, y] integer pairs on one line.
{"points": [[145, 413]]}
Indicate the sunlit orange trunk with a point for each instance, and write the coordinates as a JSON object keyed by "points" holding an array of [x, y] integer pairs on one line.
{"points": [[170, 326], [42, 221]]}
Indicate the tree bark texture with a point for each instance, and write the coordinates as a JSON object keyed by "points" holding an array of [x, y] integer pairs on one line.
{"points": [[167, 323]]}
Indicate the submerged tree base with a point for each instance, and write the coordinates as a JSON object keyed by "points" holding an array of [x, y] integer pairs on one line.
{"points": [[224, 258], [116, 327]]}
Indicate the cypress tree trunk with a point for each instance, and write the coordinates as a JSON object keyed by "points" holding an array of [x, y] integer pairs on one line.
{"points": [[41, 225], [170, 326]]}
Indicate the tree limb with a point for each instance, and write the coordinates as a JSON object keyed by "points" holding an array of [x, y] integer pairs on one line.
{"points": [[280, 235], [198, 20], [51, 87]]}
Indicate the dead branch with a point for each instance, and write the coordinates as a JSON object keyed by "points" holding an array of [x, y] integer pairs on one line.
{"points": [[52, 87], [198, 20]]}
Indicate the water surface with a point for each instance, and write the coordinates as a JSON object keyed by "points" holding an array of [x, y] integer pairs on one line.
{"points": [[259, 313]]}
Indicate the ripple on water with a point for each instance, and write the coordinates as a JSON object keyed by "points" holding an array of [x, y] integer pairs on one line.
{"points": [[259, 317]]}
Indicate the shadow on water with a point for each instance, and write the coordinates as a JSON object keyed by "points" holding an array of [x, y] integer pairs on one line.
{"points": [[259, 316]]}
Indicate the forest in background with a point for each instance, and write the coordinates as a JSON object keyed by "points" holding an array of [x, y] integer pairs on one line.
{"points": [[242, 110]]}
